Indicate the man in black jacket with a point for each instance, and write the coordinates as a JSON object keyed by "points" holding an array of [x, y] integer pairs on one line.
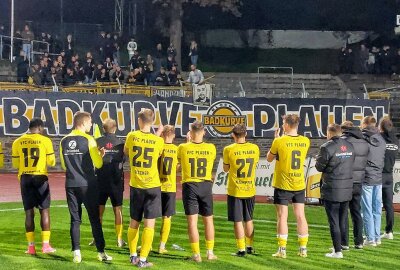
{"points": [[392, 148], [371, 198], [354, 136], [335, 160]]}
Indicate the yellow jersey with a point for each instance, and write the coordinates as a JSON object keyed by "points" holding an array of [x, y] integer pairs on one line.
{"points": [[242, 159], [167, 167], [144, 151], [1, 156], [197, 161], [291, 152], [32, 153]]}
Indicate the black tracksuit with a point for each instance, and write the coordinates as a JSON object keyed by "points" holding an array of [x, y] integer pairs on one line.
{"points": [[361, 150], [392, 148], [335, 160]]}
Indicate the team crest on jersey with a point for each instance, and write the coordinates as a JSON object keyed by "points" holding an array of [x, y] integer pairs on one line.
{"points": [[72, 145], [221, 117]]}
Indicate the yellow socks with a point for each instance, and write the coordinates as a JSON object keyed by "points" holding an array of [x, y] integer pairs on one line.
{"points": [[147, 241], [118, 231], [210, 246], [133, 237], [303, 240], [195, 248], [30, 236], [241, 244], [282, 240], [46, 236], [249, 241], [165, 229]]}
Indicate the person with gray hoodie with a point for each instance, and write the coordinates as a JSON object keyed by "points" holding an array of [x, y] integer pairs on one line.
{"points": [[371, 198]]}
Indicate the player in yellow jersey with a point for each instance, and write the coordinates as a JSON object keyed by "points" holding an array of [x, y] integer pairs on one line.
{"points": [[143, 149], [167, 167], [1, 156], [197, 159], [31, 154], [290, 152], [240, 161]]}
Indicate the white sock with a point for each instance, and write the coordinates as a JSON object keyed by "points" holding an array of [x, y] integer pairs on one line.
{"points": [[134, 254], [143, 259], [31, 244], [210, 252], [77, 253]]}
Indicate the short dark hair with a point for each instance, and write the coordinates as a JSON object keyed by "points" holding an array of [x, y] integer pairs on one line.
{"points": [[385, 124], [36, 123], [335, 129], [292, 120], [146, 115], [197, 126], [369, 121], [80, 117], [239, 130]]}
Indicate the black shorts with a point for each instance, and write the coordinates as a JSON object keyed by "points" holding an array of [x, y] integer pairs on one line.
{"points": [[197, 198], [283, 197], [240, 209], [35, 191], [168, 202], [116, 196], [145, 203], [111, 184]]}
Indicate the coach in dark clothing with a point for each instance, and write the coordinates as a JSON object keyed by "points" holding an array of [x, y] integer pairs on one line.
{"points": [[371, 198], [392, 148], [335, 160], [355, 137]]}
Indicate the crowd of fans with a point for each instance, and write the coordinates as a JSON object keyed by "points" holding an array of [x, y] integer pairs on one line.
{"points": [[374, 60], [58, 63]]}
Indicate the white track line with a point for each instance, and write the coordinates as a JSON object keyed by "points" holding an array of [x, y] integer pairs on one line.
{"points": [[221, 217]]}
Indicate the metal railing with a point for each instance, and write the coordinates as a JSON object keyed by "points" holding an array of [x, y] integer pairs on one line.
{"points": [[274, 68], [33, 52]]}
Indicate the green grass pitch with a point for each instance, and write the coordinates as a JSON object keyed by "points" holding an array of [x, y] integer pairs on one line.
{"points": [[13, 243]]}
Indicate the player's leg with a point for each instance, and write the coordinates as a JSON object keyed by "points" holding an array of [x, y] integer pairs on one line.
{"points": [[191, 206], [74, 201], [235, 215], [168, 202], [248, 210], [29, 202], [298, 200], [43, 190], [103, 197], [136, 208], [366, 207], [281, 205], [377, 212], [91, 201], [152, 210], [332, 211], [206, 211], [343, 223], [116, 198], [387, 200], [355, 211]]}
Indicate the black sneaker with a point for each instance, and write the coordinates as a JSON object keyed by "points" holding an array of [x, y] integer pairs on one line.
{"points": [[145, 264], [250, 250], [239, 253]]}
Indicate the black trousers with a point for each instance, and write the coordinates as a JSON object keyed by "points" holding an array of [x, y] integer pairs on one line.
{"points": [[337, 217], [387, 200], [89, 197], [355, 211]]}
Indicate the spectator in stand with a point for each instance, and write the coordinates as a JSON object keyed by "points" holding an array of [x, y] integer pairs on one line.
{"points": [[343, 60], [362, 58], [158, 57], [108, 64], [162, 78], [53, 76], [171, 51], [170, 62], [22, 67], [88, 70], [387, 60], [27, 36], [194, 52], [70, 77], [61, 62], [36, 75], [18, 44], [43, 45], [131, 47], [174, 77], [116, 54], [69, 46], [97, 72], [104, 76], [135, 61], [57, 45], [78, 71], [118, 75], [108, 50], [50, 40], [136, 77], [195, 75], [149, 69], [102, 45], [350, 61]]}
